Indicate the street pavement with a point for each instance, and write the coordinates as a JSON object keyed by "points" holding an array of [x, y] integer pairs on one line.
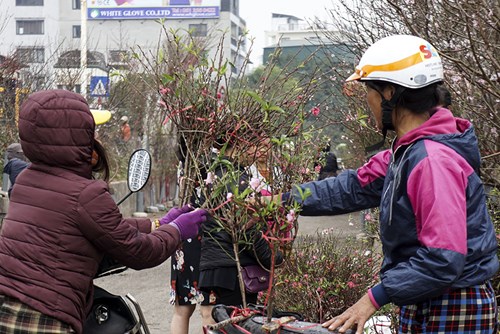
{"points": [[151, 287]]}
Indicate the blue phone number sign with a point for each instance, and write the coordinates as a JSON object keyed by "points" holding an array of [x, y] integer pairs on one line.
{"points": [[153, 13]]}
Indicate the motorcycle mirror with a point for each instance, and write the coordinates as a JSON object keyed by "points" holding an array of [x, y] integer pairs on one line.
{"points": [[139, 169]]}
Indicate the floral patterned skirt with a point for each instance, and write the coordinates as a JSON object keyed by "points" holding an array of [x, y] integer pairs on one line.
{"points": [[185, 272]]}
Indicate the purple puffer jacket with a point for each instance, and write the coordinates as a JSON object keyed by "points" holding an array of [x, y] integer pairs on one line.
{"points": [[60, 221]]}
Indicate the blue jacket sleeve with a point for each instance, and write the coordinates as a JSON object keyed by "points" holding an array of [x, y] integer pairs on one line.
{"points": [[350, 191]]}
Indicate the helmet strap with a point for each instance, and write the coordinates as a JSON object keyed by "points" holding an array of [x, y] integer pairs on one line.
{"points": [[388, 107]]}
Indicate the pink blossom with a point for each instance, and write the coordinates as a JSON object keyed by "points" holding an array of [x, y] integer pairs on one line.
{"points": [[368, 217], [255, 183], [290, 217], [296, 128], [315, 111], [317, 169], [351, 284], [162, 104], [164, 90], [210, 178], [304, 170]]}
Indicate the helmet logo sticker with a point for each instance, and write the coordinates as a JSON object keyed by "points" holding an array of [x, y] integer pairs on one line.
{"points": [[428, 51]]}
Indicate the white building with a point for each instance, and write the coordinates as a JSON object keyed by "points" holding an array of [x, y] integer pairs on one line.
{"points": [[46, 34], [291, 30]]}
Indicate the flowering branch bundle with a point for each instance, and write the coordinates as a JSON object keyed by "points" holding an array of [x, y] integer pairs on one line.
{"points": [[225, 126]]}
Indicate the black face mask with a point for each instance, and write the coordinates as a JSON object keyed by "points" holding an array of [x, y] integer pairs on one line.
{"points": [[388, 107]]}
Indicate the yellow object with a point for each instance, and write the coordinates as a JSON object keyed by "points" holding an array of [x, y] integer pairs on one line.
{"points": [[20, 94], [101, 116]]}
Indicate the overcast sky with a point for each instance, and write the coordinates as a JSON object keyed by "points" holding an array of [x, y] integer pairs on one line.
{"points": [[257, 14]]}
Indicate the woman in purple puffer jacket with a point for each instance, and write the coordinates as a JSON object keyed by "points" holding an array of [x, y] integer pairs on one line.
{"points": [[61, 222]]}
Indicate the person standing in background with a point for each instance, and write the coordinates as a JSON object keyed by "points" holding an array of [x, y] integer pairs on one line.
{"points": [[328, 166], [16, 163], [125, 129]]}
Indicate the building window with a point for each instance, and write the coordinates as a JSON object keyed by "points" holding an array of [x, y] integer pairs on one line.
{"points": [[77, 31], [29, 2], [198, 30], [29, 27], [236, 10], [31, 55], [225, 6], [77, 4]]}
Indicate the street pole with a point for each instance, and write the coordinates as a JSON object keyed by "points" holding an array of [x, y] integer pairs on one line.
{"points": [[83, 48]]}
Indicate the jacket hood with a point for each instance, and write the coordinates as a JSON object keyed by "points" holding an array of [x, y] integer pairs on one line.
{"points": [[456, 133], [56, 128]]}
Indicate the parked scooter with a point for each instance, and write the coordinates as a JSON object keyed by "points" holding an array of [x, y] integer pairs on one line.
{"points": [[112, 314], [255, 322]]}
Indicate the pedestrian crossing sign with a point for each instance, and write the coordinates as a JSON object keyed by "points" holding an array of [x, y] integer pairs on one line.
{"points": [[99, 86]]}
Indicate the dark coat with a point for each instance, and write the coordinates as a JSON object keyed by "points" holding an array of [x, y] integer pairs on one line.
{"points": [[60, 221], [217, 246], [13, 168]]}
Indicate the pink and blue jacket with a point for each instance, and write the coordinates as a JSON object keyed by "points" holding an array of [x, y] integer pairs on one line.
{"points": [[435, 228]]}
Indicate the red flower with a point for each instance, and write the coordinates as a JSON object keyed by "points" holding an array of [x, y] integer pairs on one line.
{"points": [[315, 111]]}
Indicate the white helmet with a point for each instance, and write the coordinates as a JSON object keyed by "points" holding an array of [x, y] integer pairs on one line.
{"points": [[405, 60]]}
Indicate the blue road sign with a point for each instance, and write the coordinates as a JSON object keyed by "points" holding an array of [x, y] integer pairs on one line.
{"points": [[99, 86]]}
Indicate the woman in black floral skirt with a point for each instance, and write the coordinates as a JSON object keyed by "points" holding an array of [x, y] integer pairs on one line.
{"points": [[184, 291]]}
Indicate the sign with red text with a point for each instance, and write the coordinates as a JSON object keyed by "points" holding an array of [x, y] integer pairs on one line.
{"points": [[152, 9]]}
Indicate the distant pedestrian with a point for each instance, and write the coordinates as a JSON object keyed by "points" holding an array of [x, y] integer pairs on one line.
{"points": [[327, 165], [330, 167], [125, 129], [16, 163]]}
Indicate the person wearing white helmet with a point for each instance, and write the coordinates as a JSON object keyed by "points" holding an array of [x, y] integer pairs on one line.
{"points": [[438, 240], [125, 129]]}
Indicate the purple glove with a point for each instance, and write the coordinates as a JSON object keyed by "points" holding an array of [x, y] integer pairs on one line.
{"points": [[174, 213], [189, 223]]}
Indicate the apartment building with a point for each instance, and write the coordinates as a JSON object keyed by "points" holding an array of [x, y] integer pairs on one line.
{"points": [[48, 36]]}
